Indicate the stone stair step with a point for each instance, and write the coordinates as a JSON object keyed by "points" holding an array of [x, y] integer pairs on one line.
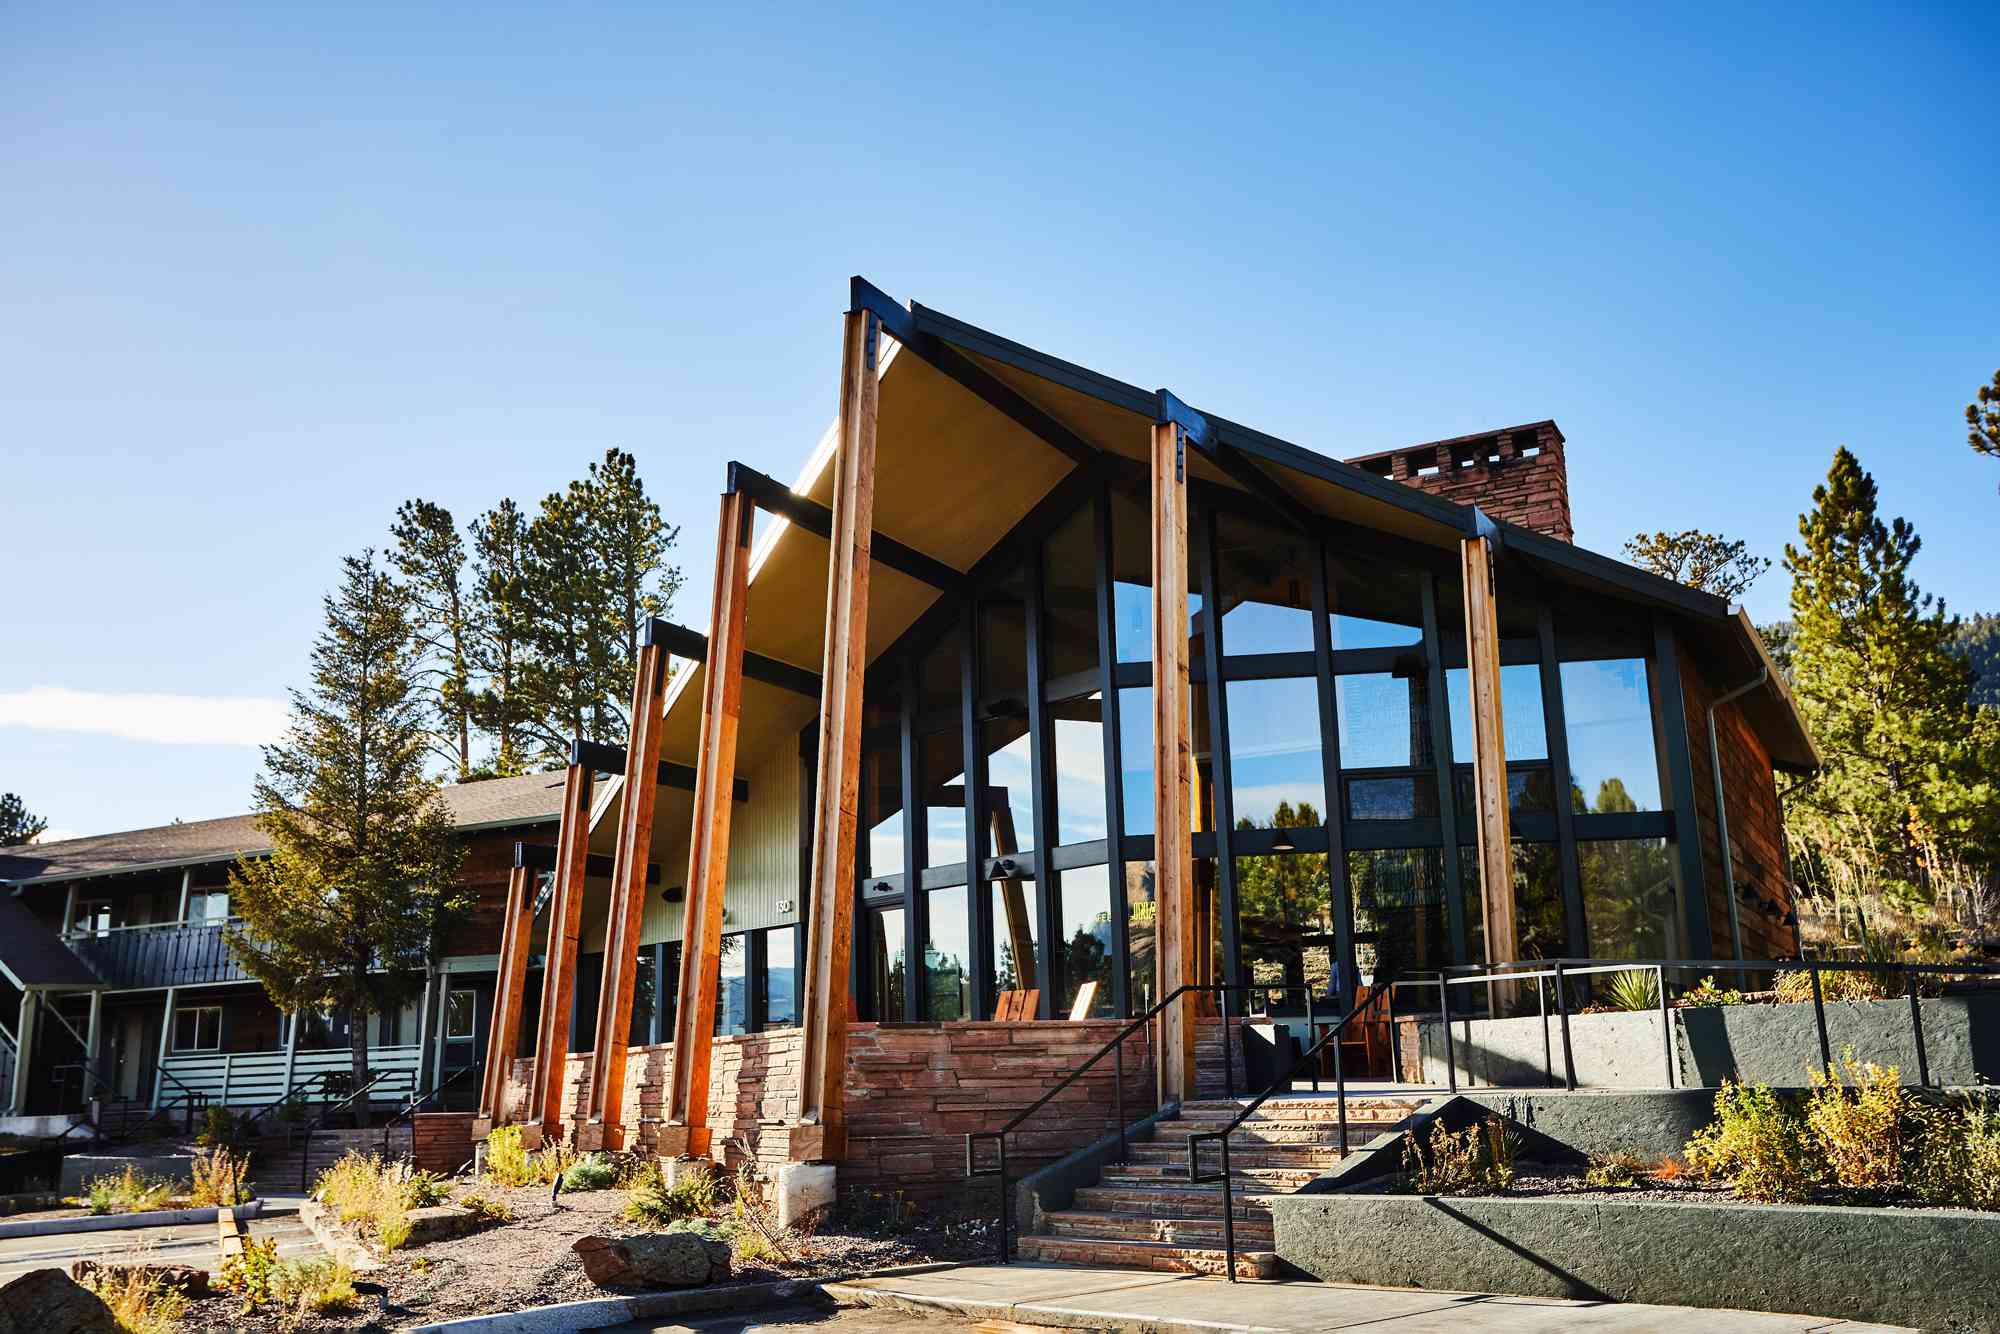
{"points": [[1241, 1153], [1275, 1133], [1300, 1111], [1142, 1227], [1163, 1257], [1163, 1201], [1262, 1180]]}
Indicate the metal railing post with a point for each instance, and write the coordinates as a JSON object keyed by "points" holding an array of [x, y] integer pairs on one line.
{"points": [[1006, 1203], [1118, 1096], [1562, 1018], [1312, 1031], [1228, 1059], [1666, 1022], [1819, 1017], [1444, 1019], [1917, 1032], [1340, 1092], [1228, 1214], [1548, 1055]]}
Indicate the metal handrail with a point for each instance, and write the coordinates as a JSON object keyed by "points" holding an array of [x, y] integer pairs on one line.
{"points": [[315, 1082], [408, 1111], [305, 1145]]}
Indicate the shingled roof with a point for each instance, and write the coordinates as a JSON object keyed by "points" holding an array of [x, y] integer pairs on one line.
{"points": [[495, 802]]}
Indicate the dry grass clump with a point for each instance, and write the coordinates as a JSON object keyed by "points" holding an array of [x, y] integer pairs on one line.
{"points": [[316, 1287], [377, 1196], [141, 1303], [126, 1192], [485, 1208], [1477, 1161], [1856, 1114], [219, 1177]]}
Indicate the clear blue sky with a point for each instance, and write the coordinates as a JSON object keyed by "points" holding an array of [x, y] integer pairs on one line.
{"points": [[267, 271]]}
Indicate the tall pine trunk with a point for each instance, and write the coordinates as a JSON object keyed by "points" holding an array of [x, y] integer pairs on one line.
{"points": [[357, 1046]]}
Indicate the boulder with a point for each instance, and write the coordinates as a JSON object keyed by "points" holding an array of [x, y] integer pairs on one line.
{"points": [[189, 1279], [654, 1260], [48, 1301]]}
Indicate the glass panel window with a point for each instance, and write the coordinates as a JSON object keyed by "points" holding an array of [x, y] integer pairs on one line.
{"points": [[1079, 737], [883, 803], [948, 957], [939, 680], [1087, 954], [1521, 722], [198, 1028], [885, 963], [1399, 916], [93, 917], [781, 977], [670, 988], [1373, 606], [1266, 576], [458, 1014], [1010, 796], [1274, 753], [732, 987], [1384, 721], [1135, 757], [1014, 935], [1400, 797], [1630, 905], [1539, 926], [1284, 921], [1132, 580], [1139, 917], [209, 907], [943, 766], [1069, 596], [1608, 709], [1003, 640], [1530, 790], [645, 995]]}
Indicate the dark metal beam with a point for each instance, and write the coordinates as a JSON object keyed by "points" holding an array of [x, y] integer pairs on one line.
{"points": [[604, 758], [542, 857], [693, 645], [767, 493]]}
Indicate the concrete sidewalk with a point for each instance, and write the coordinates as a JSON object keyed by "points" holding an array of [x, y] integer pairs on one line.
{"points": [[1143, 1303]]}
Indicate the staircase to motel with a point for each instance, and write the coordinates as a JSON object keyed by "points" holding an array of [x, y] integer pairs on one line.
{"points": [[1145, 1214]]}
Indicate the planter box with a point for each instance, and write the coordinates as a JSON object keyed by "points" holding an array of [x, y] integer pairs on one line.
{"points": [[1933, 1268]]}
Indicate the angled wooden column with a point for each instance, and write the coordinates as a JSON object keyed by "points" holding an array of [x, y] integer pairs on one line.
{"points": [[821, 1134], [604, 1128], [510, 978], [1489, 751], [1173, 767], [545, 1087], [686, 1132]]}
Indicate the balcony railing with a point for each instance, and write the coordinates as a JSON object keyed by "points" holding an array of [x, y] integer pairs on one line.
{"points": [[171, 955]]}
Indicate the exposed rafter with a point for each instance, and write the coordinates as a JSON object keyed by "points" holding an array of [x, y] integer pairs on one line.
{"points": [[604, 758], [770, 494], [693, 645], [542, 857]]}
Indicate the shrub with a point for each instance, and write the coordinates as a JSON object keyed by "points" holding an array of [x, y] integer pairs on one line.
{"points": [[1478, 1160], [553, 1163], [1632, 991], [219, 1174], [127, 1192], [506, 1162], [1956, 1157], [1837, 985], [252, 1272], [323, 1287], [220, 1129], [422, 1189], [592, 1172], [378, 1196], [1614, 1169], [1856, 1113], [1758, 1146], [710, 1228], [650, 1200], [141, 1303], [485, 1208], [1705, 995], [1671, 1168]]}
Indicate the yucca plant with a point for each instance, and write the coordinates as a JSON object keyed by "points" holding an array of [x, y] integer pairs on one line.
{"points": [[1633, 991]]}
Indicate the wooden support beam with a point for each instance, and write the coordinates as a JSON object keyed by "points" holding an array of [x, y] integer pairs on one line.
{"points": [[821, 1134], [686, 1133], [545, 1088], [779, 499], [510, 978], [693, 645], [1173, 765], [604, 1128], [1489, 751], [542, 857], [605, 758]]}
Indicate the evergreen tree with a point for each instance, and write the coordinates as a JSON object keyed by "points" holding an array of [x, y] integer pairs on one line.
{"points": [[1979, 642], [1907, 780], [430, 556], [500, 622], [16, 824], [1707, 561], [633, 541], [347, 910], [1982, 418]]}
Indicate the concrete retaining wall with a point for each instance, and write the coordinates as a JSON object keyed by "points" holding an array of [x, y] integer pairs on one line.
{"points": [[79, 1169], [1771, 1044], [1932, 1268]]}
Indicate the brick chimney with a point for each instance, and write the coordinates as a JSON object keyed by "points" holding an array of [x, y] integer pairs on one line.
{"points": [[1516, 474]]}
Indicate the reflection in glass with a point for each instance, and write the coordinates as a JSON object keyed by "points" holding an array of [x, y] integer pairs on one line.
{"points": [[1135, 757], [1014, 919], [1274, 752], [947, 956], [1087, 953], [882, 799], [1132, 580], [1399, 917], [645, 995], [1630, 905], [1139, 934], [942, 768], [781, 977], [1079, 738], [1069, 595], [1010, 794], [1384, 720], [1284, 921], [1266, 577], [1529, 791], [1373, 606], [1405, 797], [1608, 709], [886, 963], [1521, 722], [1539, 926], [732, 995]]}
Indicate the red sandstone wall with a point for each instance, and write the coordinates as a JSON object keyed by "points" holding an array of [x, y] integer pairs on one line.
{"points": [[1519, 474], [1755, 842], [913, 1093], [441, 1141]]}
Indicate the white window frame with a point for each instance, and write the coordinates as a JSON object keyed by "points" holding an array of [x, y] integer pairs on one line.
{"points": [[198, 1011], [471, 1014]]}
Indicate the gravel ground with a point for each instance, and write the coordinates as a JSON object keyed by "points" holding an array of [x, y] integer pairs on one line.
{"points": [[1537, 1180], [528, 1262]]}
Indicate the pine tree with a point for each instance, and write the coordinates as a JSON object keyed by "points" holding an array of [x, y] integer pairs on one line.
{"points": [[633, 541], [347, 910], [430, 556], [1887, 701], [16, 824], [500, 620], [1707, 561], [1982, 416]]}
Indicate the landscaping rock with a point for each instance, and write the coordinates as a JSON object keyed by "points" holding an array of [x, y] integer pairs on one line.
{"points": [[48, 1301], [654, 1260], [190, 1279]]}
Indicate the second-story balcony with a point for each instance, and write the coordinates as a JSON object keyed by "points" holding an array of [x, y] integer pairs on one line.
{"points": [[173, 954]]}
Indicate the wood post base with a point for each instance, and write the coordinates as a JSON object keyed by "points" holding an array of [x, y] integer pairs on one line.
{"points": [[684, 1141], [818, 1144], [593, 1136]]}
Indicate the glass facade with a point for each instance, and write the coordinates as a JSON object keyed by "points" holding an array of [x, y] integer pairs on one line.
{"points": [[1274, 753], [948, 957], [1609, 720]]}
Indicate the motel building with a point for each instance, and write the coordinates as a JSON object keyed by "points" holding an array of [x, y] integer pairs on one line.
{"points": [[1037, 704]]}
